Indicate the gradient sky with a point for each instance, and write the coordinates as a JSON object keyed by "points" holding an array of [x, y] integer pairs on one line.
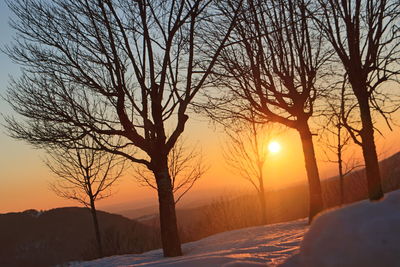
{"points": [[24, 178]]}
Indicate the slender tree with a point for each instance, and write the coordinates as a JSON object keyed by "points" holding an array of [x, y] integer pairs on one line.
{"points": [[84, 175], [271, 67], [246, 154], [336, 140], [366, 38], [113, 71]]}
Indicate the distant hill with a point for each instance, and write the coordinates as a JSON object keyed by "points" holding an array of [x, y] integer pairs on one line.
{"points": [[140, 212], [190, 201], [34, 238]]}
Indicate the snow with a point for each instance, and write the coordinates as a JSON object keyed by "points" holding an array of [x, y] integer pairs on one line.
{"points": [[254, 246], [362, 234]]}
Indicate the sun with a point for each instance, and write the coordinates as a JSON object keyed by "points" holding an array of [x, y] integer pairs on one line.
{"points": [[274, 147]]}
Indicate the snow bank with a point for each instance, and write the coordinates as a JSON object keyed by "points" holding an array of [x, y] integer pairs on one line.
{"points": [[254, 246], [362, 234]]}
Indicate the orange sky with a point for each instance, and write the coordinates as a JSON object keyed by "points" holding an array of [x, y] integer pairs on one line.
{"points": [[24, 178]]}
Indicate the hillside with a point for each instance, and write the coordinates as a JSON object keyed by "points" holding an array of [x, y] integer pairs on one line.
{"points": [[361, 234], [291, 203], [258, 246], [355, 184], [33, 238]]}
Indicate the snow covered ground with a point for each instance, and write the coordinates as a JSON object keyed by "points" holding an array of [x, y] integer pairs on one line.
{"points": [[364, 234], [270, 244]]}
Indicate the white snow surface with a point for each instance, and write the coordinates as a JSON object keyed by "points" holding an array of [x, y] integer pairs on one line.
{"points": [[365, 234], [268, 245]]}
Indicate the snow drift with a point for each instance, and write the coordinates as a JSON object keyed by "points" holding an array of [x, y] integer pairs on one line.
{"points": [[362, 234]]}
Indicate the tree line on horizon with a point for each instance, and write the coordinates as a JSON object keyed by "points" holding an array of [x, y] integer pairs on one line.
{"points": [[114, 81]]}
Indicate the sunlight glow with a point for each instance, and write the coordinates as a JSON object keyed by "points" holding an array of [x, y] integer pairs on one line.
{"points": [[274, 147]]}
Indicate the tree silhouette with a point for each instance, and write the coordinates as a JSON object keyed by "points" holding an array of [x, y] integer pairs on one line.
{"points": [[120, 72], [84, 175], [271, 67], [365, 36], [246, 154], [336, 139]]}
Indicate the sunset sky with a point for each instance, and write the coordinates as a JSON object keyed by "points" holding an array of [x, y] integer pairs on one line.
{"points": [[24, 179]]}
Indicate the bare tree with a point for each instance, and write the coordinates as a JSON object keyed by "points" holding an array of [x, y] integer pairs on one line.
{"points": [[246, 153], [84, 175], [366, 38], [186, 167], [272, 67], [337, 140], [114, 71]]}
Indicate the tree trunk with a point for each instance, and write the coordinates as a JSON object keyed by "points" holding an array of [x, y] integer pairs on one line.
{"points": [[375, 191], [96, 228], [169, 228], [263, 204], [341, 181], [340, 165], [316, 203], [264, 219]]}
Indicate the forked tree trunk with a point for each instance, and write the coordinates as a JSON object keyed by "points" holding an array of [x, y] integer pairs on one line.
{"points": [[169, 229], [315, 202], [96, 228], [375, 191]]}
